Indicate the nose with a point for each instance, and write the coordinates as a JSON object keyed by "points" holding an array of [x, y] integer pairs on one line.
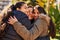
{"points": [[36, 14]]}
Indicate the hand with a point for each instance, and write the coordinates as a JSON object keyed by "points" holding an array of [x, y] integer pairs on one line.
{"points": [[12, 20], [2, 27]]}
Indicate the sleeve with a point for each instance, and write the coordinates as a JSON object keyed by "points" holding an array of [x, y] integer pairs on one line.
{"points": [[31, 34], [24, 20]]}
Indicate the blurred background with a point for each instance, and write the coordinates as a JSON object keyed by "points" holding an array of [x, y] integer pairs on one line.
{"points": [[52, 7]]}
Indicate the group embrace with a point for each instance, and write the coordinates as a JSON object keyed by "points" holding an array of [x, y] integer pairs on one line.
{"points": [[26, 22]]}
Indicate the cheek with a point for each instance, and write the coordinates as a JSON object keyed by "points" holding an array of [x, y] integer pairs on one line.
{"points": [[24, 10], [36, 16]]}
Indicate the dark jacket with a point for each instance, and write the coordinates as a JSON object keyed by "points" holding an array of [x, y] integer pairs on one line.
{"points": [[10, 33]]}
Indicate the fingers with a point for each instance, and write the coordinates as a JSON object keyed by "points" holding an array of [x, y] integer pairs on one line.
{"points": [[14, 17], [3, 24], [12, 20], [11, 17]]}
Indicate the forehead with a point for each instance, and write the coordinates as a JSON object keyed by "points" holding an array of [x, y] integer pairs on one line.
{"points": [[36, 9], [25, 5]]}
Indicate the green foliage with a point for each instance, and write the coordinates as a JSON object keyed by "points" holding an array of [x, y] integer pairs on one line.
{"points": [[55, 15], [32, 2]]}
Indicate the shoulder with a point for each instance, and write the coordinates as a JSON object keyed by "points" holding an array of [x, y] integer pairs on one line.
{"points": [[20, 14]]}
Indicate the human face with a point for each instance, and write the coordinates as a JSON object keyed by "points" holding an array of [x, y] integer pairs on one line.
{"points": [[31, 13], [36, 13], [30, 9], [24, 8], [31, 16]]}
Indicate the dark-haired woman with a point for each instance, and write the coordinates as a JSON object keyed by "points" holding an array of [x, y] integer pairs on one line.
{"points": [[52, 30], [51, 27], [19, 11]]}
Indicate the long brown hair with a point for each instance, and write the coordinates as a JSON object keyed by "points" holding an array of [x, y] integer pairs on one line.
{"points": [[51, 27]]}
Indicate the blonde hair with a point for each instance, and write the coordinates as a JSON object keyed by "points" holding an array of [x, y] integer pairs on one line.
{"points": [[4, 11]]}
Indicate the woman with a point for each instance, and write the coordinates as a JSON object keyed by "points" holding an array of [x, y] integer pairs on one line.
{"points": [[52, 30], [34, 32], [30, 13], [45, 31], [19, 11]]}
